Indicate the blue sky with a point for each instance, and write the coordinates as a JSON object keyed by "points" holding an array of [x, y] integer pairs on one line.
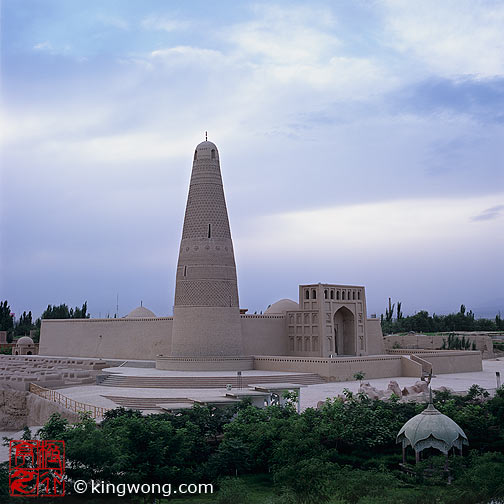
{"points": [[360, 142]]}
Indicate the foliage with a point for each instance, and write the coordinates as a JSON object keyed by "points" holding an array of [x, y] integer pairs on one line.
{"points": [[360, 375], [423, 322], [389, 312], [399, 311], [456, 343], [353, 484], [4, 482], [232, 491], [311, 480], [343, 452], [63, 312], [24, 325], [483, 479], [6, 319]]}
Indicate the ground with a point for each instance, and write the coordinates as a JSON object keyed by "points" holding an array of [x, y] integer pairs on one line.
{"points": [[310, 395]]}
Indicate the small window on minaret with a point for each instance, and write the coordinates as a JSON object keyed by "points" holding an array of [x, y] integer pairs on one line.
{"points": [[325, 293], [314, 294], [307, 294], [209, 230], [213, 153], [195, 155], [185, 270]]}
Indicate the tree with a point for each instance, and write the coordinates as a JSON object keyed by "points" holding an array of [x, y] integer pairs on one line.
{"points": [[63, 312], [24, 325], [399, 312], [232, 458], [312, 480], [389, 312], [6, 318]]}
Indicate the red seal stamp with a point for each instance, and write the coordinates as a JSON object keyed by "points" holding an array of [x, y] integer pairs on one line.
{"points": [[37, 468]]}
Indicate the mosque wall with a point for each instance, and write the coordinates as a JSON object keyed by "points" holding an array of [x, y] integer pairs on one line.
{"points": [[335, 369], [482, 341], [145, 338], [125, 338], [264, 335], [375, 344], [446, 361]]}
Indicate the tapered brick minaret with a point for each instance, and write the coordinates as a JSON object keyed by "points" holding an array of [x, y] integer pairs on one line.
{"points": [[206, 309]]}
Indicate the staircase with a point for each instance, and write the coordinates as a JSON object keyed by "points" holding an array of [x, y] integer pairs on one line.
{"points": [[204, 382]]}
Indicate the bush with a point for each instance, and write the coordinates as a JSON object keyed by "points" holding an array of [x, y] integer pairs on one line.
{"points": [[232, 491], [483, 480], [311, 481], [353, 484]]}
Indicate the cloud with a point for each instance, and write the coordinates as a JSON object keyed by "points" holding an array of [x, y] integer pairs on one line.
{"points": [[43, 46], [164, 24], [300, 46], [451, 38], [187, 54], [114, 21], [47, 47], [404, 225], [482, 99], [286, 36], [489, 214]]}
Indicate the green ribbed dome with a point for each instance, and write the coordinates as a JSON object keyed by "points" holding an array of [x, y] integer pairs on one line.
{"points": [[431, 429]]}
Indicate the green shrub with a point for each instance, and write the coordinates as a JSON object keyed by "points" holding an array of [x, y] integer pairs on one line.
{"points": [[232, 491]]}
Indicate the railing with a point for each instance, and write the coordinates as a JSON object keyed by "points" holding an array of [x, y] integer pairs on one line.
{"points": [[67, 402]]}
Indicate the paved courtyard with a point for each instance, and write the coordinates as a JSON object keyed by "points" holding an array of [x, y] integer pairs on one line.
{"points": [[310, 395]]}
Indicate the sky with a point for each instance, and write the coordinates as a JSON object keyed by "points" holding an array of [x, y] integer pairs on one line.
{"points": [[360, 143]]}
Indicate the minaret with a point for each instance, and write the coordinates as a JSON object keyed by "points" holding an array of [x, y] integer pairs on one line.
{"points": [[206, 314]]}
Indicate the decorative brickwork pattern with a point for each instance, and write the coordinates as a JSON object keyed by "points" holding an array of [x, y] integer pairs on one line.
{"points": [[206, 293], [206, 308]]}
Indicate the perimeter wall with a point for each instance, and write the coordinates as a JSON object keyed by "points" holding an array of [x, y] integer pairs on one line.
{"points": [[125, 338]]}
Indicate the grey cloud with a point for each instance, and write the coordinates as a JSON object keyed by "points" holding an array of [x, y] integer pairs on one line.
{"points": [[489, 213]]}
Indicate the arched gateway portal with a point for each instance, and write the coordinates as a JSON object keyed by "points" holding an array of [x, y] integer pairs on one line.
{"points": [[344, 332]]}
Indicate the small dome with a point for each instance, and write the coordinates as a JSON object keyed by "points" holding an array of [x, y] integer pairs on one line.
{"points": [[141, 312], [206, 150], [432, 429], [25, 340], [281, 307]]}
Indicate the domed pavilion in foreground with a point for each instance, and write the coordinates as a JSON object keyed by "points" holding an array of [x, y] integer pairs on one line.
{"points": [[431, 429]]}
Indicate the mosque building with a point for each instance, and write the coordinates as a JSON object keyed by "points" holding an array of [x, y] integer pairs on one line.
{"points": [[327, 331]]}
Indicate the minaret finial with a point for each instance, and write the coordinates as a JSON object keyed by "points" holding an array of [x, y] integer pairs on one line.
{"points": [[430, 395], [206, 136]]}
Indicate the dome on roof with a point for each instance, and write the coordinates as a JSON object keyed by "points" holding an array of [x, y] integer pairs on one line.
{"points": [[431, 429], [25, 340], [141, 312], [206, 150], [281, 307]]}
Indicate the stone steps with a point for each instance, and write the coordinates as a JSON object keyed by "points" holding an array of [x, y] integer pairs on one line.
{"points": [[197, 382]]}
